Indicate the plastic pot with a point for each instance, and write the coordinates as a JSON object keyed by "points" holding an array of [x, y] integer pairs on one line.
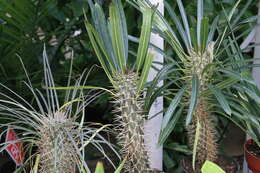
{"points": [[253, 162]]}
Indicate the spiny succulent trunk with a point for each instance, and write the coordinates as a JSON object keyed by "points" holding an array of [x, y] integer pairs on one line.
{"points": [[207, 146], [57, 153], [131, 123]]}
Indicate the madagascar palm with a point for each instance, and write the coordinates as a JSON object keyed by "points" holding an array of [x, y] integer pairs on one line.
{"points": [[52, 128], [109, 39], [206, 77]]}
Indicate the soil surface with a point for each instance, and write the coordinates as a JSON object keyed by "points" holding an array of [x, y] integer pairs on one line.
{"points": [[228, 165], [254, 149]]}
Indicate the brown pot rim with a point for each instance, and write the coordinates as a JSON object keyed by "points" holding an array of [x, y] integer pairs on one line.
{"points": [[248, 142]]}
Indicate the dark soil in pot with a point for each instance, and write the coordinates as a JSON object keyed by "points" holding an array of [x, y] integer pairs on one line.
{"points": [[227, 164]]}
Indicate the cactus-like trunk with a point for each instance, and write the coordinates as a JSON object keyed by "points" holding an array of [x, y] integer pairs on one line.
{"points": [[57, 153], [207, 145], [130, 119]]}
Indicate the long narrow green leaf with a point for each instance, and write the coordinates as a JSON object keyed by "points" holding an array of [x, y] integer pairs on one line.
{"points": [[145, 37], [242, 12], [229, 18], [101, 27], [123, 26], [173, 105], [194, 39], [237, 76], [204, 33], [178, 25], [213, 29], [184, 19], [117, 37], [221, 99], [170, 126], [196, 141], [97, 50], [199, 20], [194, 98], [119, 169], [145, 71]]}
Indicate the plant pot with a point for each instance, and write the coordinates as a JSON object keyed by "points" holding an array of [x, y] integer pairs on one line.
{"points": [[253, 162]]}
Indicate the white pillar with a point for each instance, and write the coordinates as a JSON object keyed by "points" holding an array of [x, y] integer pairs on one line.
{"points": [[153, 126], [256, 70]]}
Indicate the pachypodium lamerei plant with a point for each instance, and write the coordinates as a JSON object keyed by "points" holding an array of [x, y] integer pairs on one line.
{"points": [[109, 39], [209, 67], [52, 128]]}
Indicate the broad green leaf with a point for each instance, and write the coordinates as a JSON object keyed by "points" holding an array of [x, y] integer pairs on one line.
{"points": [[144, 38], [193, 99], [221, 99], [99, 168], [210, 167]]}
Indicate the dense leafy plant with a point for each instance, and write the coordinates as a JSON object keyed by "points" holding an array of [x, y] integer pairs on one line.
{"points": [[110, 42], [54, 129], [206, 79]]}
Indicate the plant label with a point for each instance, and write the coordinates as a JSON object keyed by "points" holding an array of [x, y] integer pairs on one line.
{"points": [[14, 149]]}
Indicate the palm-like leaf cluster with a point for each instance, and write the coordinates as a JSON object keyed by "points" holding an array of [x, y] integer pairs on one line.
{"points": [[208, 80], [109, 39], [52, 129]]}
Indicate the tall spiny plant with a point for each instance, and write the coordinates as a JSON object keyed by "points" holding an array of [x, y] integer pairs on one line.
{"points": [[109, 39], [53, 129], [204, 79]]}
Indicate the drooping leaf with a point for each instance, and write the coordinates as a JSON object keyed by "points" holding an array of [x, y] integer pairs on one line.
{"points": [[193, 99], [221, 99]]}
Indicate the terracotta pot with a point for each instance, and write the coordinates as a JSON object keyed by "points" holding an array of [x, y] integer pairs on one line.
{"points": [[253, 162]]}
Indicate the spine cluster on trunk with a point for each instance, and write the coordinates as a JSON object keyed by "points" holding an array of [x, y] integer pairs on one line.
{"points": [[207, 146], [130, 120], [57, 152]]}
